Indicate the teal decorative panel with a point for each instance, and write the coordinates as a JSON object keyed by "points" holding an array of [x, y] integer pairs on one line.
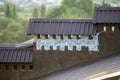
{"points": [[92, 44]]}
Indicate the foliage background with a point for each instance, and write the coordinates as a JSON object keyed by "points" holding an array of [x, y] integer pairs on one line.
{"points": [[14, 20]]}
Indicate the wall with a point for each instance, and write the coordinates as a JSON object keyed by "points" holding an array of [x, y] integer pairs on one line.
{"points": [[18, 74], [50, 61], [45, 62]]}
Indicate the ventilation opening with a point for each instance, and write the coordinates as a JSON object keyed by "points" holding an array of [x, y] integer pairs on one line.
{"points": [[74, 48], [54, 36], [7, 67], [15, 67], [51, 47], [113, 28], [78, 36], [0, 67], [38, 36], [46, 36], [90, 37], [31, 67], [23, 68], [104, 28], [70, 36], [66, 48], [42, 47], [58, 47], [61, 36]]}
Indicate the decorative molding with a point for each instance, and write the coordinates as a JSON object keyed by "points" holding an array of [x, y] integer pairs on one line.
{"points": [[59, 44]]}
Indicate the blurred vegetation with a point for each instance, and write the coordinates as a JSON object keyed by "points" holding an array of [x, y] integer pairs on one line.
{"points": [[43, 11], [35, 12], [13, 29], [14, 20], [74, 8]]}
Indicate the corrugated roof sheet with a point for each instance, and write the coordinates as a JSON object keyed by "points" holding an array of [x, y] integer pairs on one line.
{"points": [[61, 26], [16, 55], [106, 15]]}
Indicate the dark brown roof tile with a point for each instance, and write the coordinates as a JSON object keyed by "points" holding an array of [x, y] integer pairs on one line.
{"points": [[60, 26], [106, 15], [16, 55]]}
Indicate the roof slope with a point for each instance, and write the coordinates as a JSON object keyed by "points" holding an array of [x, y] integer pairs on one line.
{"points": [[61, 26], [16, 55], [106, 15], [25, 44]]}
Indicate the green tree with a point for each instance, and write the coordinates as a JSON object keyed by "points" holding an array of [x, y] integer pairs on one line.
{"points": [[69, 3], [6, 36], [78, 6], [14, 26], [1, 8], [14, 15], [43, 11], [8, 10], [35, 12], [86, 5], [4, 22], [56, 12], [68, 15]]}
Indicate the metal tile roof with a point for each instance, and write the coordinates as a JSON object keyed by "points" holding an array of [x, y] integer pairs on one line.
{"points": [[106, 15], [61, 26], [8, 55]]}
